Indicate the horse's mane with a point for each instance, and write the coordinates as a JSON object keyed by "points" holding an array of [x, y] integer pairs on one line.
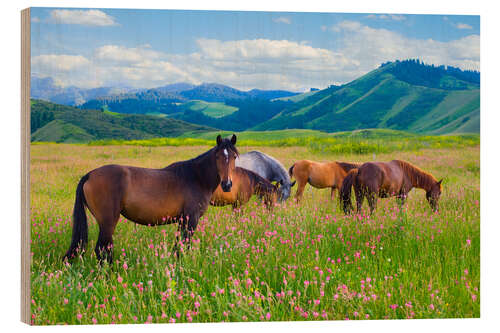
{"points": [[417, 176], [261, 184], [225, 144], [348, 166]]}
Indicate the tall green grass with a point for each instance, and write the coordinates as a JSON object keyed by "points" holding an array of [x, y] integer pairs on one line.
{"points": [[304, 261], [357, 142]]}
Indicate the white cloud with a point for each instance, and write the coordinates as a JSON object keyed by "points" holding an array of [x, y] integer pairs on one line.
{"points": [[282, 19], [121, 54], [347, 26], [90, 17], [463, 26], [259, 49], [393, 17], [35, 19], [268, 64], [257, 63], [59, 62], [66, 70], [370, 47]]}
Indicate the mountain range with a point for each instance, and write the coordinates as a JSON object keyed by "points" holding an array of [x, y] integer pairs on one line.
{"points": [[401, 95], [46, 89]]}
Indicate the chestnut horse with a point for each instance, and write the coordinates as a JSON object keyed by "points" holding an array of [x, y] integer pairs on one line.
{"points": [[245, 184], [319, 175], [178, 193], [394, 178]]}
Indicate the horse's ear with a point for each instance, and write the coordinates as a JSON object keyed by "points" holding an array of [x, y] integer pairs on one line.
{"points": [[280, 182], [233, 140], [219, 139], [293, 183], [440, 181]]}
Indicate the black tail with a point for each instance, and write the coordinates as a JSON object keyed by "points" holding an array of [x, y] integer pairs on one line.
{"points": [[290, 171], [80, 226], [345, 190]]}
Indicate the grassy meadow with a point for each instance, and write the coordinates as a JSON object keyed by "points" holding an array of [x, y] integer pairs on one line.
{"points": [[304, 261]]}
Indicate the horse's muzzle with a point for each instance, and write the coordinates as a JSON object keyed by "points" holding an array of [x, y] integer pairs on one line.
{"points": [[226, 186]]}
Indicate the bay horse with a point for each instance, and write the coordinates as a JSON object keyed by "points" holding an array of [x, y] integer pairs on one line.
{"points": [[387, 179], [246, 183], [269, 168], [319, 175], [179, 193]]}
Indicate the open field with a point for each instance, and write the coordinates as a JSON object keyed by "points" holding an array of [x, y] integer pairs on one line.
{"points": [[345, 143], [300, 262]]}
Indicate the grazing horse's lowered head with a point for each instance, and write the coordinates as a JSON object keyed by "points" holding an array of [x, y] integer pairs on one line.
{"points": [[284, 189], [433, 193], [225, 155]]}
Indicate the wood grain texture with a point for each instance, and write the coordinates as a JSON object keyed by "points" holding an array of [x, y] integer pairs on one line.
{"points": [[25, 165]]}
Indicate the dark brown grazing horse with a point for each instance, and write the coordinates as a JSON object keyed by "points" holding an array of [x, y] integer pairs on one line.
{"points": [[178, 193], [394, 178], [319, 175], [245, 184]]}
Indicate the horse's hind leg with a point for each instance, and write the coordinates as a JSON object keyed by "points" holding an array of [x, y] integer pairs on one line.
{"points": [[300, 190], [104, 246], [333, 193], [372, 200], [360, 196]]}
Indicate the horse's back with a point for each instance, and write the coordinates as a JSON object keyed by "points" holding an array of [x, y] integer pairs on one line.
{"points": [[371, 174], [386, 177], [264, 165], [251, 161]]}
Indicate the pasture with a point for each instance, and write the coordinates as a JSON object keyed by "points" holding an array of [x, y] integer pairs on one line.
{"points": [[298, 262]]}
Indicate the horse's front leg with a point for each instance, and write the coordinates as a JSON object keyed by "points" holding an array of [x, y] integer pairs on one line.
{"points": [[401, 197], [187, 226]]}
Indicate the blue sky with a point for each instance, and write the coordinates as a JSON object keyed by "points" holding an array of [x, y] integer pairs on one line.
{"points": [[267, 50]]}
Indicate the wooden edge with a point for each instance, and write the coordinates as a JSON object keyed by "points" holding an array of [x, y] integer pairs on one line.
{"points": [[25, 166]]}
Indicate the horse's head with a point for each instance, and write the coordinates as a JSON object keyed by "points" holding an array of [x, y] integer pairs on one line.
{"points": [[284, 189], [433, 195], [269, 193], [225, 154]]}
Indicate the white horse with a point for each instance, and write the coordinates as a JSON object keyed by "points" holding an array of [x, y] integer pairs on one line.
{"points": [[269, 168]]}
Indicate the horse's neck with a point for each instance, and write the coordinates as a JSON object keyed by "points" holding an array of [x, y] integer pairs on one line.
{"points": [[279, 170], [206, 170], [421, 179], [280, 173]]}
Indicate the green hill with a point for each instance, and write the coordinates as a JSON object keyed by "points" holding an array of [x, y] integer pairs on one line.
{"points": [[60, 123], [404, 95], [210, 109], [257, 135], [61, 131]]}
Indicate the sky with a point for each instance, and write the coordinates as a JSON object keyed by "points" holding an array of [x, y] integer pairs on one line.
{"points": [[91, 48]]}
